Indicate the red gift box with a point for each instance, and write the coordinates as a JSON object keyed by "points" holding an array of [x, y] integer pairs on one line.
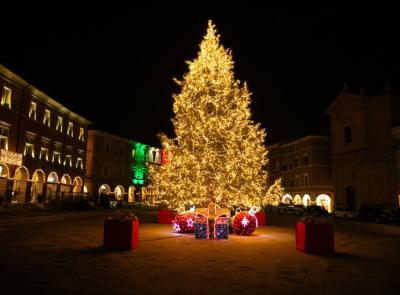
{"points": [[315, 238], [261, 218], [165, 216], [121, 234]]}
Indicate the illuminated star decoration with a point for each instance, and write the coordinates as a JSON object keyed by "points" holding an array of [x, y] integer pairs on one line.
{"points": [[190, 222], [177, 227], [245, 221]]}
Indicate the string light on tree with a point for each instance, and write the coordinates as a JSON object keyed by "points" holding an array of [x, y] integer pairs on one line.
{"points": [[216, 140]]}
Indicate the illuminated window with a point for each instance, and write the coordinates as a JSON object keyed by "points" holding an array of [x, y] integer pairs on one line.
{"points": [[59, 126], [79, 163], [29, 150], [32, 111], [44, 150], [6, 97], [70, 130], [68, 160], [3, 137], [57, 153], [46, 118], [81, 134]]}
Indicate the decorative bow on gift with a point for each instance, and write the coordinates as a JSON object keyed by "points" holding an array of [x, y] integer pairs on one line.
{"points": [[212, 222]]}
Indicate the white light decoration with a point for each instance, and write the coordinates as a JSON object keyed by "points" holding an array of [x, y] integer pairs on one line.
{"points": [[245, 221], [190, 222], [10, 158]]}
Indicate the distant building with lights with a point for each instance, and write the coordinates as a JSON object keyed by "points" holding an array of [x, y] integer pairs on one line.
{"points": [[43, 143], [365, 148], [119, 166], [108, 161], [304, 166]]}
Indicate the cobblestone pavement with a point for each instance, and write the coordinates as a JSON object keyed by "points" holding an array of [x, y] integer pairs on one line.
{"points": [[62, 254]]}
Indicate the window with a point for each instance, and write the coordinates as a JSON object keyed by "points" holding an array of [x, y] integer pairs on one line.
{"points": [[284, 167], [306, 160], [29, 150], [46, 118], [107, 147], [81, 134], [44, 150], [79, 162], [120, 173], [6, 97], [105, 171], [3, 137], [277, 166], [291, 184], [297, 180], [347, 134], [59, 126], [296, 162], [57, 153], [70, 130], [32, 111], [290, 165], [305, 179], [68, 160]]}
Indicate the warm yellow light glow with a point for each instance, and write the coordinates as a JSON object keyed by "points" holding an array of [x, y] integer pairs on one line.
{"points": [[10, 158], [217, 144]]}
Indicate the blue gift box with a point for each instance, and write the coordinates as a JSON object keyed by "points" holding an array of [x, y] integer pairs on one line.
{"points": [[200, 231], [221, 231]]}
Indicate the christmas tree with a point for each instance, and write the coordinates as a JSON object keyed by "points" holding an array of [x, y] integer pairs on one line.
{"points": [[218, 151]]}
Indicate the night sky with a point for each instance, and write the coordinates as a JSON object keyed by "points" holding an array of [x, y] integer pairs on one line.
{"points": [[115, 66]]}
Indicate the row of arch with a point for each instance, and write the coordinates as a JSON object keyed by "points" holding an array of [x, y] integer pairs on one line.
{"points": [[120, 193], [27, 188], [322, 200]]}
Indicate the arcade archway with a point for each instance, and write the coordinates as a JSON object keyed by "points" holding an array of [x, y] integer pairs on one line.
{"points": [[21, 177], [38, 180], [324, 201]]}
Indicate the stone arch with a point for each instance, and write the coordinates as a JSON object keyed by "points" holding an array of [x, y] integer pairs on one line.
{"points": [[51, 186], [131, 194], [38, 180], [324, 201], [4, 170], [297, 199], [77, 185], [21, 177], [119, 192], [287, 199], [65, 184], [4, 176], [104, 189], [306, 200]]}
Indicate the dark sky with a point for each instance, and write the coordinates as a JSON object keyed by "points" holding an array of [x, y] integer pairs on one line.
{"points": [[115, 65]]}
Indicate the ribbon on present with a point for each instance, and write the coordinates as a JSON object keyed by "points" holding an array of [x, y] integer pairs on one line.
{"points": [[209, 218]]}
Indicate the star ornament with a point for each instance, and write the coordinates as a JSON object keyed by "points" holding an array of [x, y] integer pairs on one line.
{"points": [[245, 221], [190, 222], [177, 227]]}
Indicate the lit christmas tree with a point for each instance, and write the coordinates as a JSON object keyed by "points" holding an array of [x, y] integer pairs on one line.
{"points": [[218, 151]]}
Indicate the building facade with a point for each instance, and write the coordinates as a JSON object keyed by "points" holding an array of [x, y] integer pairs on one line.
{"points": [[119, 166], [108, 161], [43, 143], [304, 166], [364, 149]]}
